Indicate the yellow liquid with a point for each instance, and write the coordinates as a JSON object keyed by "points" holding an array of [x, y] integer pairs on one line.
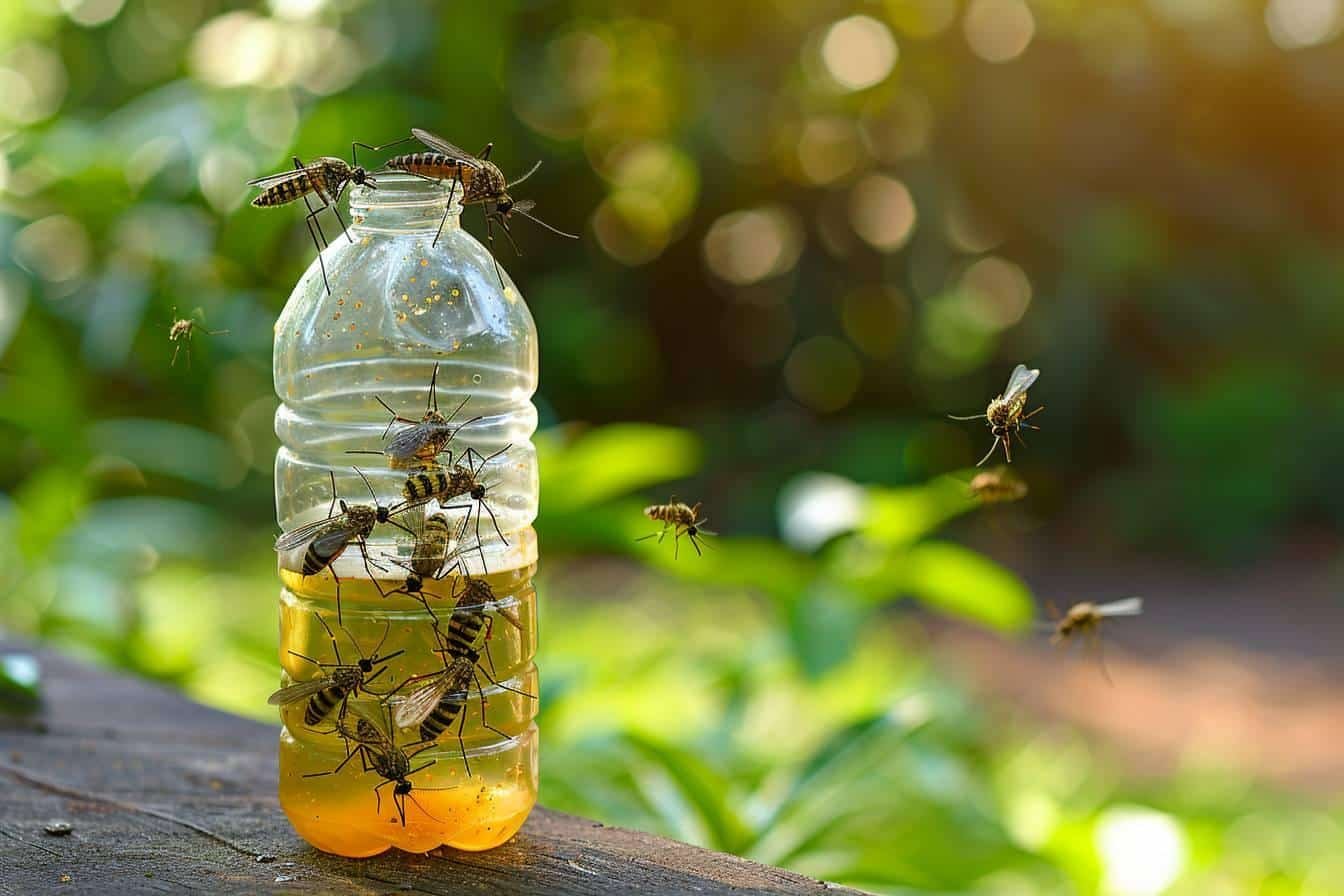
{"points": [[340, 813]]}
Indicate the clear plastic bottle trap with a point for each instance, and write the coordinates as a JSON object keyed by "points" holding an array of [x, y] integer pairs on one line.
{"points": [[461, 639]]}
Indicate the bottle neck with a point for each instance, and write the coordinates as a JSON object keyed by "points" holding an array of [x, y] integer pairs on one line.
{"points": [[402, 203]]}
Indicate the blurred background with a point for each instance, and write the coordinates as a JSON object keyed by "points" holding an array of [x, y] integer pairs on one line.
{"points": [[811, 230]]}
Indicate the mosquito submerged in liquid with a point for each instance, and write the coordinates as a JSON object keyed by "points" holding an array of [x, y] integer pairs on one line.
{"points": [[419, 442], [1084, 620], [1004, 413], [997, 486], [325, 178], [338, 681], [680, 519], [439, 703], [483, 184], [182, 329], [310, 549], [378, 753]]}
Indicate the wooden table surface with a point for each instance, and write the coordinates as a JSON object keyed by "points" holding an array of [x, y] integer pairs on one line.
{"points": [[168, 796]]}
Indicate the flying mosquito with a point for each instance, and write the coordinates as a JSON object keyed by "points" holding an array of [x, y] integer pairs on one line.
{"points": [[378, 753], [681, 519], [442, 700], [1004, 413], [461, 479], [997, 486], [182, 329], [419, 442], [1085, 620], [323, 541], [482, 183], [338, 681], [326, 178]]}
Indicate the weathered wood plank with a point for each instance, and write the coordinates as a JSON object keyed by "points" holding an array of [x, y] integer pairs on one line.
{"points": [[167, 796]]}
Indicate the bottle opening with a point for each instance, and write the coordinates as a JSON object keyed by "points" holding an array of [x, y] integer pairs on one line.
{"points": [[404, 202]]}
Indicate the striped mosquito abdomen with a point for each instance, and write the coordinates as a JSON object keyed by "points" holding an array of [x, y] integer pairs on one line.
{"points": [[345, 680], [453, 701], [321, 704], [466, 632], [286, 191], [425, 484], [434, 165]]}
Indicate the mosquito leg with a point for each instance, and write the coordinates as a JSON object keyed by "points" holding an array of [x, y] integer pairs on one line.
{"points": [[992, 449], [355, 158], [364, 552], [490, 236], [335, 648], [322, 265], [345, 228], [337, 580], [461, 742], [337, 770], [492, 520]]}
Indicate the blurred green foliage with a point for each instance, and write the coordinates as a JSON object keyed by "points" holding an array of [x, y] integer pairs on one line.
{"points": [[811, 230]]}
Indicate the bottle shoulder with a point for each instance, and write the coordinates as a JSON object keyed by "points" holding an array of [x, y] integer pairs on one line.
{"points": [[399, 299]]}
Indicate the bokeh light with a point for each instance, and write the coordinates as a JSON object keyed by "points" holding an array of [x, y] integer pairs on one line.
{"points": [[55, 248], [754, 244], [1142, 851], [91, 13], [828, 149], [998, 30], [882, 211], [241, 48], [823, 373], [32, 83], [875, 320], [998, 290], [859, 52], [1294, 24]]}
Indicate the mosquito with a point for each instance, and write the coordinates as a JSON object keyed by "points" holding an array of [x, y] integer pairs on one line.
{"points": [[483, 184], [1004, 413]]}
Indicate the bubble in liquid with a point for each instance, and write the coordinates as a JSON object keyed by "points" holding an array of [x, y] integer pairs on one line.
{"points": [[424, 262], [336, 316], [476, 378], [401, 317], [413, 279], [359, 305], [456, 292]]}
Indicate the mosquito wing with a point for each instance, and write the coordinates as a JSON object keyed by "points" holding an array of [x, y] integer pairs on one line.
{"points": [[417, 707], [1131, 606], [299, 691], [523, 206], [1020, 381], [288, 541], [438, 144], [410, 441], [271, 180]]}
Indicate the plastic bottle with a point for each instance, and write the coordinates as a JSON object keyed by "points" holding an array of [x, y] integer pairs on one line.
{"points": [[399, 308]]}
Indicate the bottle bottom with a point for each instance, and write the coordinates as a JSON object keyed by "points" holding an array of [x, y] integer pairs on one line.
{"points": [[341, 813]]}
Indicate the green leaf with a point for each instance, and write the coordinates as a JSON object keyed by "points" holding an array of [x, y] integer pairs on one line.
{"points": [[701, 787], [901, 516], [964, 583], [611, 461], [824, 624]]}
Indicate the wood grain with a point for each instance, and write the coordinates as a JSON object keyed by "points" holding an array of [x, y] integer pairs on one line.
{"points": [[167, 796]]}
